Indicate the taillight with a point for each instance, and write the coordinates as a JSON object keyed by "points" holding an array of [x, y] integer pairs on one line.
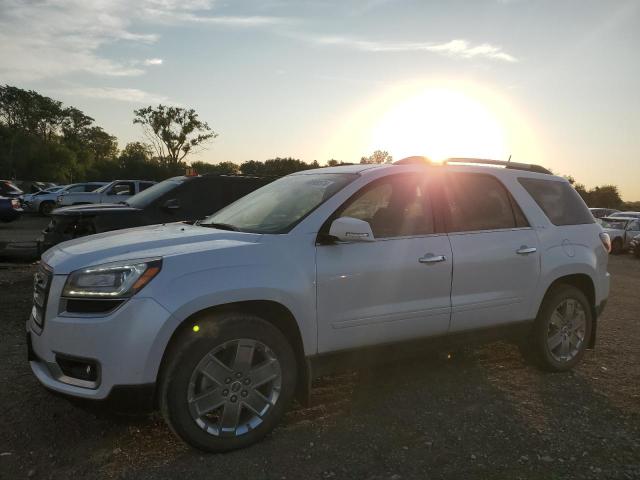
{"points": [[606, 241], [15, 204]]}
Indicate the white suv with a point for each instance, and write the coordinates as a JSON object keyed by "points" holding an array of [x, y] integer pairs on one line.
{"points": [[223, 322]]}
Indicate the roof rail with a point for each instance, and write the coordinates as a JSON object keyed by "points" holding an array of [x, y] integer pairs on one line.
{"points": [[413, 161], [512, 165]]}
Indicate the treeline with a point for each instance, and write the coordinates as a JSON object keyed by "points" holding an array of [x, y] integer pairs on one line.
{"points": [[603, 196], [42, 139]]}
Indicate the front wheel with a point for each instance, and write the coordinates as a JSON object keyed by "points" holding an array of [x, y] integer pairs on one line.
{"points": [[228, 382], [47, 207], [562, 329]]}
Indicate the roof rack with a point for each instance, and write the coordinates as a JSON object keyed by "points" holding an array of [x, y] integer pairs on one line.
{"points": [[506, 164], [413, 161]]}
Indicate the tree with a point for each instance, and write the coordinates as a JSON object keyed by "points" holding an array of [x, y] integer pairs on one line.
{"points": [[379, 156], [605, 196], [276, 167], [227, 168], [174, 132]]}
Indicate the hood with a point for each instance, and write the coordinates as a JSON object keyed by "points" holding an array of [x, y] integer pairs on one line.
{"points": [[95, 209], [143, 242]]}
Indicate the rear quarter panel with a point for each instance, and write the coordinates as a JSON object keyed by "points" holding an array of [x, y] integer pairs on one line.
{"points": [[564, 250]]}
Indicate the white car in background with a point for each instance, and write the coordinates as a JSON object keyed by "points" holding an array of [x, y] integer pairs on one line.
{"points": [[117, 191], [621, 231], [44, 201]]}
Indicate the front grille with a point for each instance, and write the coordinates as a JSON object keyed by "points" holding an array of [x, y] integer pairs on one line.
{"points": [[41, 285]]}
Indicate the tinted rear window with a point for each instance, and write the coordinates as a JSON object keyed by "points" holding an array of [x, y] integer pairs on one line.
{"points": [[480, 202], [558, 200]]}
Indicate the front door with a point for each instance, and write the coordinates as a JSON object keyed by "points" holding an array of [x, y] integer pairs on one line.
{"points": [[394, 288]]}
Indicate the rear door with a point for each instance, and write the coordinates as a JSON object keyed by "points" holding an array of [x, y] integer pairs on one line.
{"points": [[496, 262]]}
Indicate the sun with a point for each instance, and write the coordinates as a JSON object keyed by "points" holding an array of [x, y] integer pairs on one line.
{"points": [[440, 123]]}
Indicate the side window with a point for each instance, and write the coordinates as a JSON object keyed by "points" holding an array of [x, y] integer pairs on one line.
{"points": [[145, 185], [480, 202], [558, 200], [76, 188], [634, 225], [123, 188], [395, 207]]}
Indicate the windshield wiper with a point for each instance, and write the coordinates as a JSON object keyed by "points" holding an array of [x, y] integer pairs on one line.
{"points": [[219, 226]]}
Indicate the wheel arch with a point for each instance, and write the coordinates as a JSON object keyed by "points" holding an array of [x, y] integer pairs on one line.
{"points": [[271, 311], [585, 284]]}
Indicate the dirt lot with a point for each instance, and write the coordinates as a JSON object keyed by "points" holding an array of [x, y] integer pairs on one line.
{"points": [[486, 414]]}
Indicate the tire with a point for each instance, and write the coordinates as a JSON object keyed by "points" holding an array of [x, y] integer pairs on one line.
{"points": [[616, 246], [184, 388], [46, 208], [548, 330]]}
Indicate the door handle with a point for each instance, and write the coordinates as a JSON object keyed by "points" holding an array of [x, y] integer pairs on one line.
{"points": [[431, 258], [524, 250]]}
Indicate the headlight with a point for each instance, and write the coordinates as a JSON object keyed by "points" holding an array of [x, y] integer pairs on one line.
{"points": [[112, 280]]}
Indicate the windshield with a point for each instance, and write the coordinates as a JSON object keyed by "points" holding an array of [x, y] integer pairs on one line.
{"points": [[614, 224], [280, 205], [154, 192]]}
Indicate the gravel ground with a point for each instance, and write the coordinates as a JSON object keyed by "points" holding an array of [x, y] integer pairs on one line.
{"points": [[483, 414]]}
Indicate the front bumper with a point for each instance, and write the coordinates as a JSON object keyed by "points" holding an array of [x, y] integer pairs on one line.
{"points": [[123, 344]]}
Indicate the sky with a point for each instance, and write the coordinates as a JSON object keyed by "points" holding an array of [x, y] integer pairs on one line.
{"points": [[552, 82]]}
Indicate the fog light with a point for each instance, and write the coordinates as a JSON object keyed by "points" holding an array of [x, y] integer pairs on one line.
{"points": [[78, 368]]}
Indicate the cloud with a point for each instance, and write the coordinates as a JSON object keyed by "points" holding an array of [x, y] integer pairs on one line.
{"points": [[63, 37], [153, 61], [130, 95], [454, 48]]}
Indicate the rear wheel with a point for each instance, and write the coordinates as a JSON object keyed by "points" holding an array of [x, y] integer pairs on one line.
{"points": [[46, 208], [562, 329], [227, 385]]}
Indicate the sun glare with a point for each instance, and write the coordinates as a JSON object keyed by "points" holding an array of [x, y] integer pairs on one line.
{"points": [[440, 123]]}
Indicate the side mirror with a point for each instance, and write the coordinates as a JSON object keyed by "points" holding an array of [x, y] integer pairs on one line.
{"points": [[348, 229], [171, 204]]}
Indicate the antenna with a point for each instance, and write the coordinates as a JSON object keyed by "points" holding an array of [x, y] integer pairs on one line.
{"points": [[509, 161]]}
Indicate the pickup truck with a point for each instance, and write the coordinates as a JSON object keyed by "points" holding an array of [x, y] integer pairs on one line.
{"points": [[117, 191]]}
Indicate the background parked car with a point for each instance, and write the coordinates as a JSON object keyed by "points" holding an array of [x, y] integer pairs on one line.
{"points": [[603, 212], [32, 186], [44, 203], [634, 246], [27, 200], [626, 215], [115, 192], [621, 231], [9, 190], [10, 209], [175, 199]]}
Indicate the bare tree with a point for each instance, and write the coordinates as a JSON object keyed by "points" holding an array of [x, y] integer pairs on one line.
{"points": [[174, 132], [379, 156]]}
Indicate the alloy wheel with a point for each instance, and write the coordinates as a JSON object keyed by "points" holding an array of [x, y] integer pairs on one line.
{"points": [[566, 330], [234, 387]]}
